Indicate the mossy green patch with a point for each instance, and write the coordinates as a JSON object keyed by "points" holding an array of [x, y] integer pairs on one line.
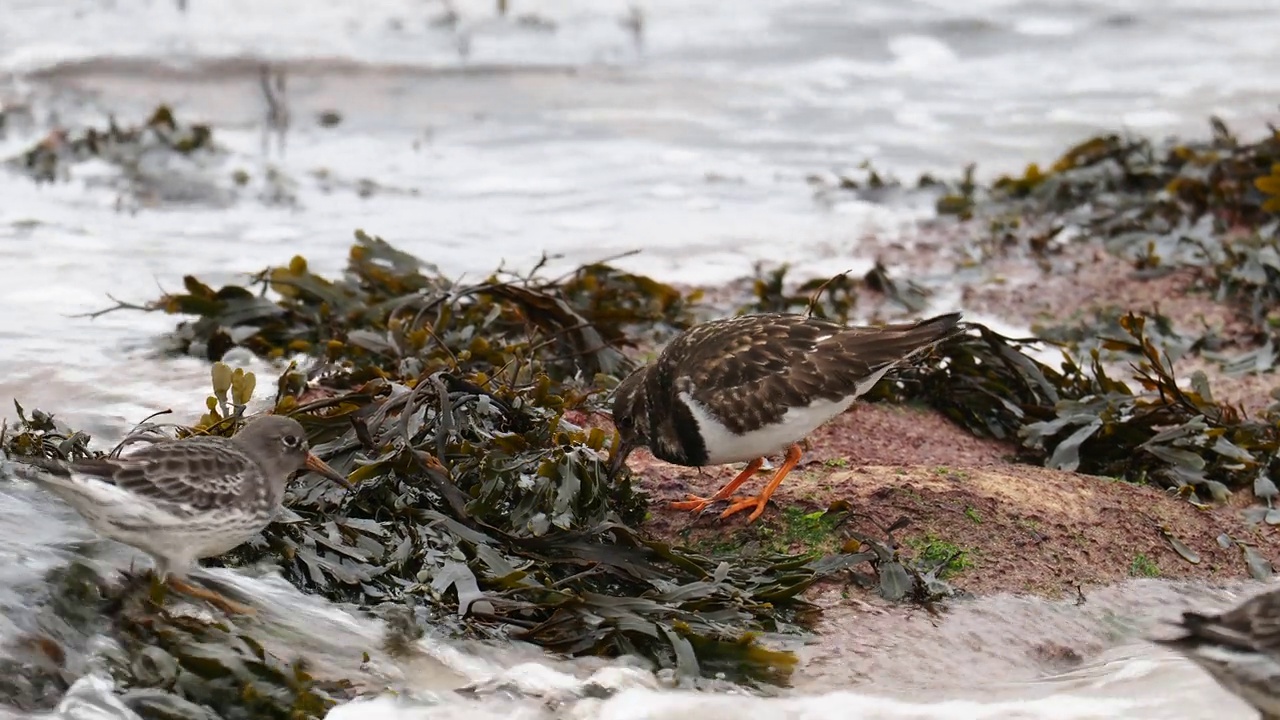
{"points": [[1143, 566], [932, 550], [800, 530]]}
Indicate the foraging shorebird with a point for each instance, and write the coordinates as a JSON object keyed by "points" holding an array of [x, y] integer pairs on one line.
{"points": [[1239, 648], [744, 388], [183, 500]]}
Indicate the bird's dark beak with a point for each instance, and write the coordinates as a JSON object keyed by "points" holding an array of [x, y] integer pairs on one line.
{"points": [[316, 465], [619, 458]]}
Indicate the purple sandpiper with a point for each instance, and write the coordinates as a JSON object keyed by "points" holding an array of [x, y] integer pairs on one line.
{"points": [[1239, 648], [740, 389], [183, 500]]}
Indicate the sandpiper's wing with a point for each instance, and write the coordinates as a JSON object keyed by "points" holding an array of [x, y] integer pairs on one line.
{"points": [[1252, 626], [179, 478], [1240, 648], [753, 368], [1263, 616]]}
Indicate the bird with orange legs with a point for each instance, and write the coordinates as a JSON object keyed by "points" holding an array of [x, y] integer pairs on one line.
{"points": [[745, 388]]}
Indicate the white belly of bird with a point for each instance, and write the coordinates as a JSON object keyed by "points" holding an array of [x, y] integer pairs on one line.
{"points": [[725, 446], [213, 535], [122, 516], [1251, 675]]}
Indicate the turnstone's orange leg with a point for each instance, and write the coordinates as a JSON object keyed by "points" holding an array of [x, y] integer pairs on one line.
{"points": [[793, 457], [226, 605], [696, 504]]}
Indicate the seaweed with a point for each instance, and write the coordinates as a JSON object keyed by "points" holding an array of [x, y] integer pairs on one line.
{"points": [[1243, 270], [835, 298], [47, 160], [172, 660], [1207, 207], [157, 161], [1123, 183], [1269, 185], [897, 578], [462, 413], [1083, 416], [147, 156], [170, 663], [1080, 418], [41, 435]]}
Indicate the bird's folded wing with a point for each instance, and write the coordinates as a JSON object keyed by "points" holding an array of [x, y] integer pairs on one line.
{"points": [[1257, 621], [755, 372], [761, 369], [177, 479]]}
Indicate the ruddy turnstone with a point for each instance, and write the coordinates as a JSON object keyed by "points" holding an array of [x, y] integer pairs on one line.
{"points": [[1239, 648], [743, 388], [183, 500]]}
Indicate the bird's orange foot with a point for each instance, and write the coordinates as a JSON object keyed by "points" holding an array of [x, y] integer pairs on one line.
{"points": [[223, 603], [693, 504], [698, 504], [739, 504]]}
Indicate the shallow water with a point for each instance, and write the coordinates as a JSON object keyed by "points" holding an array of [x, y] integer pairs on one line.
{"points": [[491, 140]]}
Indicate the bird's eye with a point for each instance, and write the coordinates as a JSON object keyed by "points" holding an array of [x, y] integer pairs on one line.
{"points": [[291, 441]]}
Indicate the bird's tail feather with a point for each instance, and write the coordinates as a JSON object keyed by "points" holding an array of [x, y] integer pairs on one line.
{"points": [[49, 474], [882, 349], [891, 345], [35, 467]]}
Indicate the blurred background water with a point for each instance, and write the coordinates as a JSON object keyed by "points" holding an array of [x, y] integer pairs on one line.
{"points": [[579, 129]]}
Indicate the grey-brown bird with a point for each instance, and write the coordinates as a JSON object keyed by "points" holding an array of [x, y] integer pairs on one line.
{"points": [[183, 500], [743, 388], [1239, 648]]}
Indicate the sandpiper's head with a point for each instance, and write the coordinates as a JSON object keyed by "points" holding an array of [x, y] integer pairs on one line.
{"points": [[630, 417], [279, 444]]}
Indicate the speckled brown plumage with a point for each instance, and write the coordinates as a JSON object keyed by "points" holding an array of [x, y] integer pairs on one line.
{"points": [[1239, 648], [749, 370], [756, 372], [188, 478], [183, 500], [1252, 625]]}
